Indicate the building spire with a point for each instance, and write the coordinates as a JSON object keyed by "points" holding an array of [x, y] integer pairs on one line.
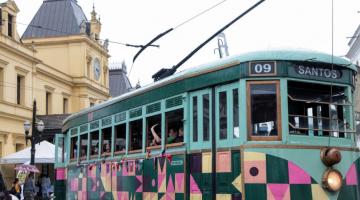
{"points": [[93, 13]]}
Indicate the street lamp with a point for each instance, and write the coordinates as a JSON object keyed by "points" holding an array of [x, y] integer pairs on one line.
{"points": [[37, 127]]}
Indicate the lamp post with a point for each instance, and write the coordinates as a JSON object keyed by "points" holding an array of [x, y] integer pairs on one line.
{"points": [[37, 127]]}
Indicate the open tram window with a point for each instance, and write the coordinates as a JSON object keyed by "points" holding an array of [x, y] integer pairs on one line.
{"points": [[314, 111], [74, 147], [83, 146], [136, 135], [174, 126], [153, 130], [106, 141], [94, 144], [264, 110], [120, 141], [236, 131], [223, 115]]}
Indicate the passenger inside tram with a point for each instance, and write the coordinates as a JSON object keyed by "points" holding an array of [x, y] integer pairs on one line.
{"points": [[173, 136]]}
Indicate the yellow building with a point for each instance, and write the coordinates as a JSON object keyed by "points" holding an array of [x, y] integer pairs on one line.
{"points": [[59, 61]]}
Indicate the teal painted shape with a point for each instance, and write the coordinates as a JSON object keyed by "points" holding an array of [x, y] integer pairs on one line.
{"points": [[255, 192], [179, 196], [300, 192], [276, 170]]}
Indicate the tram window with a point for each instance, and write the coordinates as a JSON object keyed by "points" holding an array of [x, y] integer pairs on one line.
{"points": [[313, 112], [94, 143], [153, 130], [195, 119], [264, 109], [174, 126], [206, 117], [236, 131], [120, 141], [223, 115], [83, 145], [74, 148], [136, 135], [106, 141]]}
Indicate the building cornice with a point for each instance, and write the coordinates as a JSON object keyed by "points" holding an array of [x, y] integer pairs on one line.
{"points": [[67, 40], [65, 79], [354, 49], [13, 49]]}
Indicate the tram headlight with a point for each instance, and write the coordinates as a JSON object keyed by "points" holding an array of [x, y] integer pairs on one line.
{"points": [[332, 180]]}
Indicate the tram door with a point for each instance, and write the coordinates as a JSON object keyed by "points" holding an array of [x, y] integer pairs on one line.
{"points": [[200, 163]]}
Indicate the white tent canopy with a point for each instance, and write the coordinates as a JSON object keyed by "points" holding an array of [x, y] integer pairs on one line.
{"points": [[44, 153]]}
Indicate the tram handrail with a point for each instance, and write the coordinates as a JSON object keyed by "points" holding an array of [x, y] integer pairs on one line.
{"points": [[319, 102]]}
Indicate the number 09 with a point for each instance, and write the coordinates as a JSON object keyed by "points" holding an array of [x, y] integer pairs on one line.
{"points": [[262, 68]]}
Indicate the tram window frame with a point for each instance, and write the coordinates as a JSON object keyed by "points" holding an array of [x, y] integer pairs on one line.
{"points": [[93, 153], [104, 131], [174, 121], [231, 124], [81, 155], [308, 106], [73, 148], [250, 110], [117, 130], [140, 135], [151, 121], [200, 121]]}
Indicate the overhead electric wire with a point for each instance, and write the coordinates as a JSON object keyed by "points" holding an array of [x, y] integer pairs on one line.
{"points": [[171, 29], [68, 33]]}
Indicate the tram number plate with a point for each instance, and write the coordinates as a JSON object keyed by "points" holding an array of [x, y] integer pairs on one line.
{"points": [[262, 68]]}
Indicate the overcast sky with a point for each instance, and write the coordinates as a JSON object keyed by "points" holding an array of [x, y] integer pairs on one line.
{"points": [[275, 24]]}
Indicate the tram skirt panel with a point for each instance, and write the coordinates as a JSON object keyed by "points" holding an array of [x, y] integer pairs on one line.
{"points": [[271, 177], [228, 176]]}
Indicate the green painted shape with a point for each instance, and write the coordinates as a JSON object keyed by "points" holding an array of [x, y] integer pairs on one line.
{"points": [[255, 192], [276, 170], [60, 189], [349, 192], [300, 192], [179, 196], [149, 174], [223, 183]]}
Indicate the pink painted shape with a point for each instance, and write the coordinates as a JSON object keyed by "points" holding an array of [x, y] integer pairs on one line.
{"points": [[170, 187], [224, 162], [179, 179], [124, 169], [279, 191], [260, 177], [170, 196], [123, 196], [84, 196], [83, 184], [60, 174], [351, 176], [194, 188], [161, 179], [297, 175], [93, 179], [102, 194], [140, 179], [74, 185], [163, 171]]}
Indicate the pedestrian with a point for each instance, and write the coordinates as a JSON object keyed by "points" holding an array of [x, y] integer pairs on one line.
{"points": [[29, 187], [16, 188], [45, 186]]}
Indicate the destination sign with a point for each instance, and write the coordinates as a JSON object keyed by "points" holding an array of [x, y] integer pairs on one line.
{"points": [[318, 71], [262, 68]]}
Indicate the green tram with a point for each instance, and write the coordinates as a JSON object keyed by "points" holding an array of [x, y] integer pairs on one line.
{"points": [[262, 125]]}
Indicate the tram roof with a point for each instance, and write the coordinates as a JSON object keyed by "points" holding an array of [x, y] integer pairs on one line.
{"points": [[278, 55]]}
